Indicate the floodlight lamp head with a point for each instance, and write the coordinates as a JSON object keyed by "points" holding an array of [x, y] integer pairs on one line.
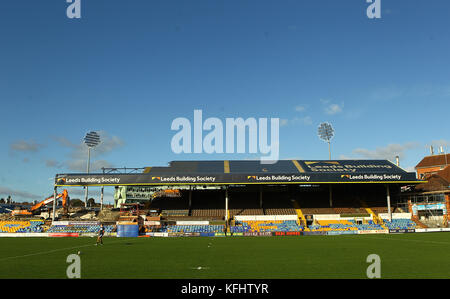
{"points": [[325, 131], [92, 139]]}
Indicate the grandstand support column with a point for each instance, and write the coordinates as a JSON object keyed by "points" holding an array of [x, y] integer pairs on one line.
{"points": [[101, 198], [260, 197], [54, 203], [388, 195], [331, 196], [226, 203], [190, 197]]}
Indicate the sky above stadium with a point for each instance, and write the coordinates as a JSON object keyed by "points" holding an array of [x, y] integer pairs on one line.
{"points": [[127, 69]]}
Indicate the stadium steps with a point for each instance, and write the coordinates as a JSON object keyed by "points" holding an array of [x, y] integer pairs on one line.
{"points": [[419, 223], [375, 217], [299, 212], [400, 210]]}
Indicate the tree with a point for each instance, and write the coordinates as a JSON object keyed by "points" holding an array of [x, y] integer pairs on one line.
{"points": [[91, 202], [76, 202], [2, 200]]}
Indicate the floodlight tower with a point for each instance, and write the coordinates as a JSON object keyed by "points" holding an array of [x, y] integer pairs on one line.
{"points": [[326, 133], [92, 139]]}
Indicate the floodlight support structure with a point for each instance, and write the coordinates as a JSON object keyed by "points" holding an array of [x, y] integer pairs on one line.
{"points": [[329, 149], [87, 170]]}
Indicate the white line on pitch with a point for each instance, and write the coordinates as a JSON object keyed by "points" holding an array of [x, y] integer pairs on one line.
{"points": [[50, 251]]}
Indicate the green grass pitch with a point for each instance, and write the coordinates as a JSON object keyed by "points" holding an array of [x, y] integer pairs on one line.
{"points": [[402, 256]]}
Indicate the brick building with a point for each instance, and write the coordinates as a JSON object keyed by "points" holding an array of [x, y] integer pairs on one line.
{"points": [[430, 165]]}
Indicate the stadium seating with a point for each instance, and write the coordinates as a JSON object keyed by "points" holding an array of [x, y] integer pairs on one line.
{"points": [[79, 228], [344, 225], [333, 225], [29, 226], [314, 211], [400, 224], [208, 213], [370, 225], [152, 228], [193, 229], [171, 206], [175, 213], [266, 226], [275, 204]]}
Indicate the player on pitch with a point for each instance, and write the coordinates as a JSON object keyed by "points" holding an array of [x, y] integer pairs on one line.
{"points": [[100, 235]]}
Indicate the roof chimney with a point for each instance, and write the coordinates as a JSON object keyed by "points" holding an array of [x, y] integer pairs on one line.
{"points": [[431, 150], [441, 150], [397, 160]]}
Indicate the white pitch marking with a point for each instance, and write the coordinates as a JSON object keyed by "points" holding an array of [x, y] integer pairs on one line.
{"points": [[200, 268], [49, 251]]}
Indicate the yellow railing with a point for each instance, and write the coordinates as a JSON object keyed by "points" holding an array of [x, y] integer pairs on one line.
{"points": [[299, 212]]}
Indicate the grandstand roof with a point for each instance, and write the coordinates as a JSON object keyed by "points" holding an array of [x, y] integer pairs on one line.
{"points": [[250, 172]]}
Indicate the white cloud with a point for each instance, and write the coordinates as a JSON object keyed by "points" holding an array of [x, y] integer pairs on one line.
{"points": [[306, 120], [388, 152], [53, 163], [78, 154], [331, 108], [18, 194], [300, 108], [25, 146], [391, 93], [80, 165], [284, 122]]}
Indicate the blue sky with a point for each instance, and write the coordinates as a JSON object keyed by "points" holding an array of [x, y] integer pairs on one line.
{"points": [[129, 68]]}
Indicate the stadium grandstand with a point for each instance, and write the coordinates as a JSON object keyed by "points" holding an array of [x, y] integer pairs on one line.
{"points": [[217, 198], [247, 197]]}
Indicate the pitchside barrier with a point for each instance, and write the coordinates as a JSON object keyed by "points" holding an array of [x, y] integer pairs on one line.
{"points": [[15, 235], [66, 223], [402, 231], [266, 218], [432, 230], [335, 233], [373, 231], [278, 234], [192, 222]]}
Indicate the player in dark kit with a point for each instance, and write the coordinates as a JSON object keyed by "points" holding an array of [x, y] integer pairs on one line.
{"points": [[100, 235]]}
